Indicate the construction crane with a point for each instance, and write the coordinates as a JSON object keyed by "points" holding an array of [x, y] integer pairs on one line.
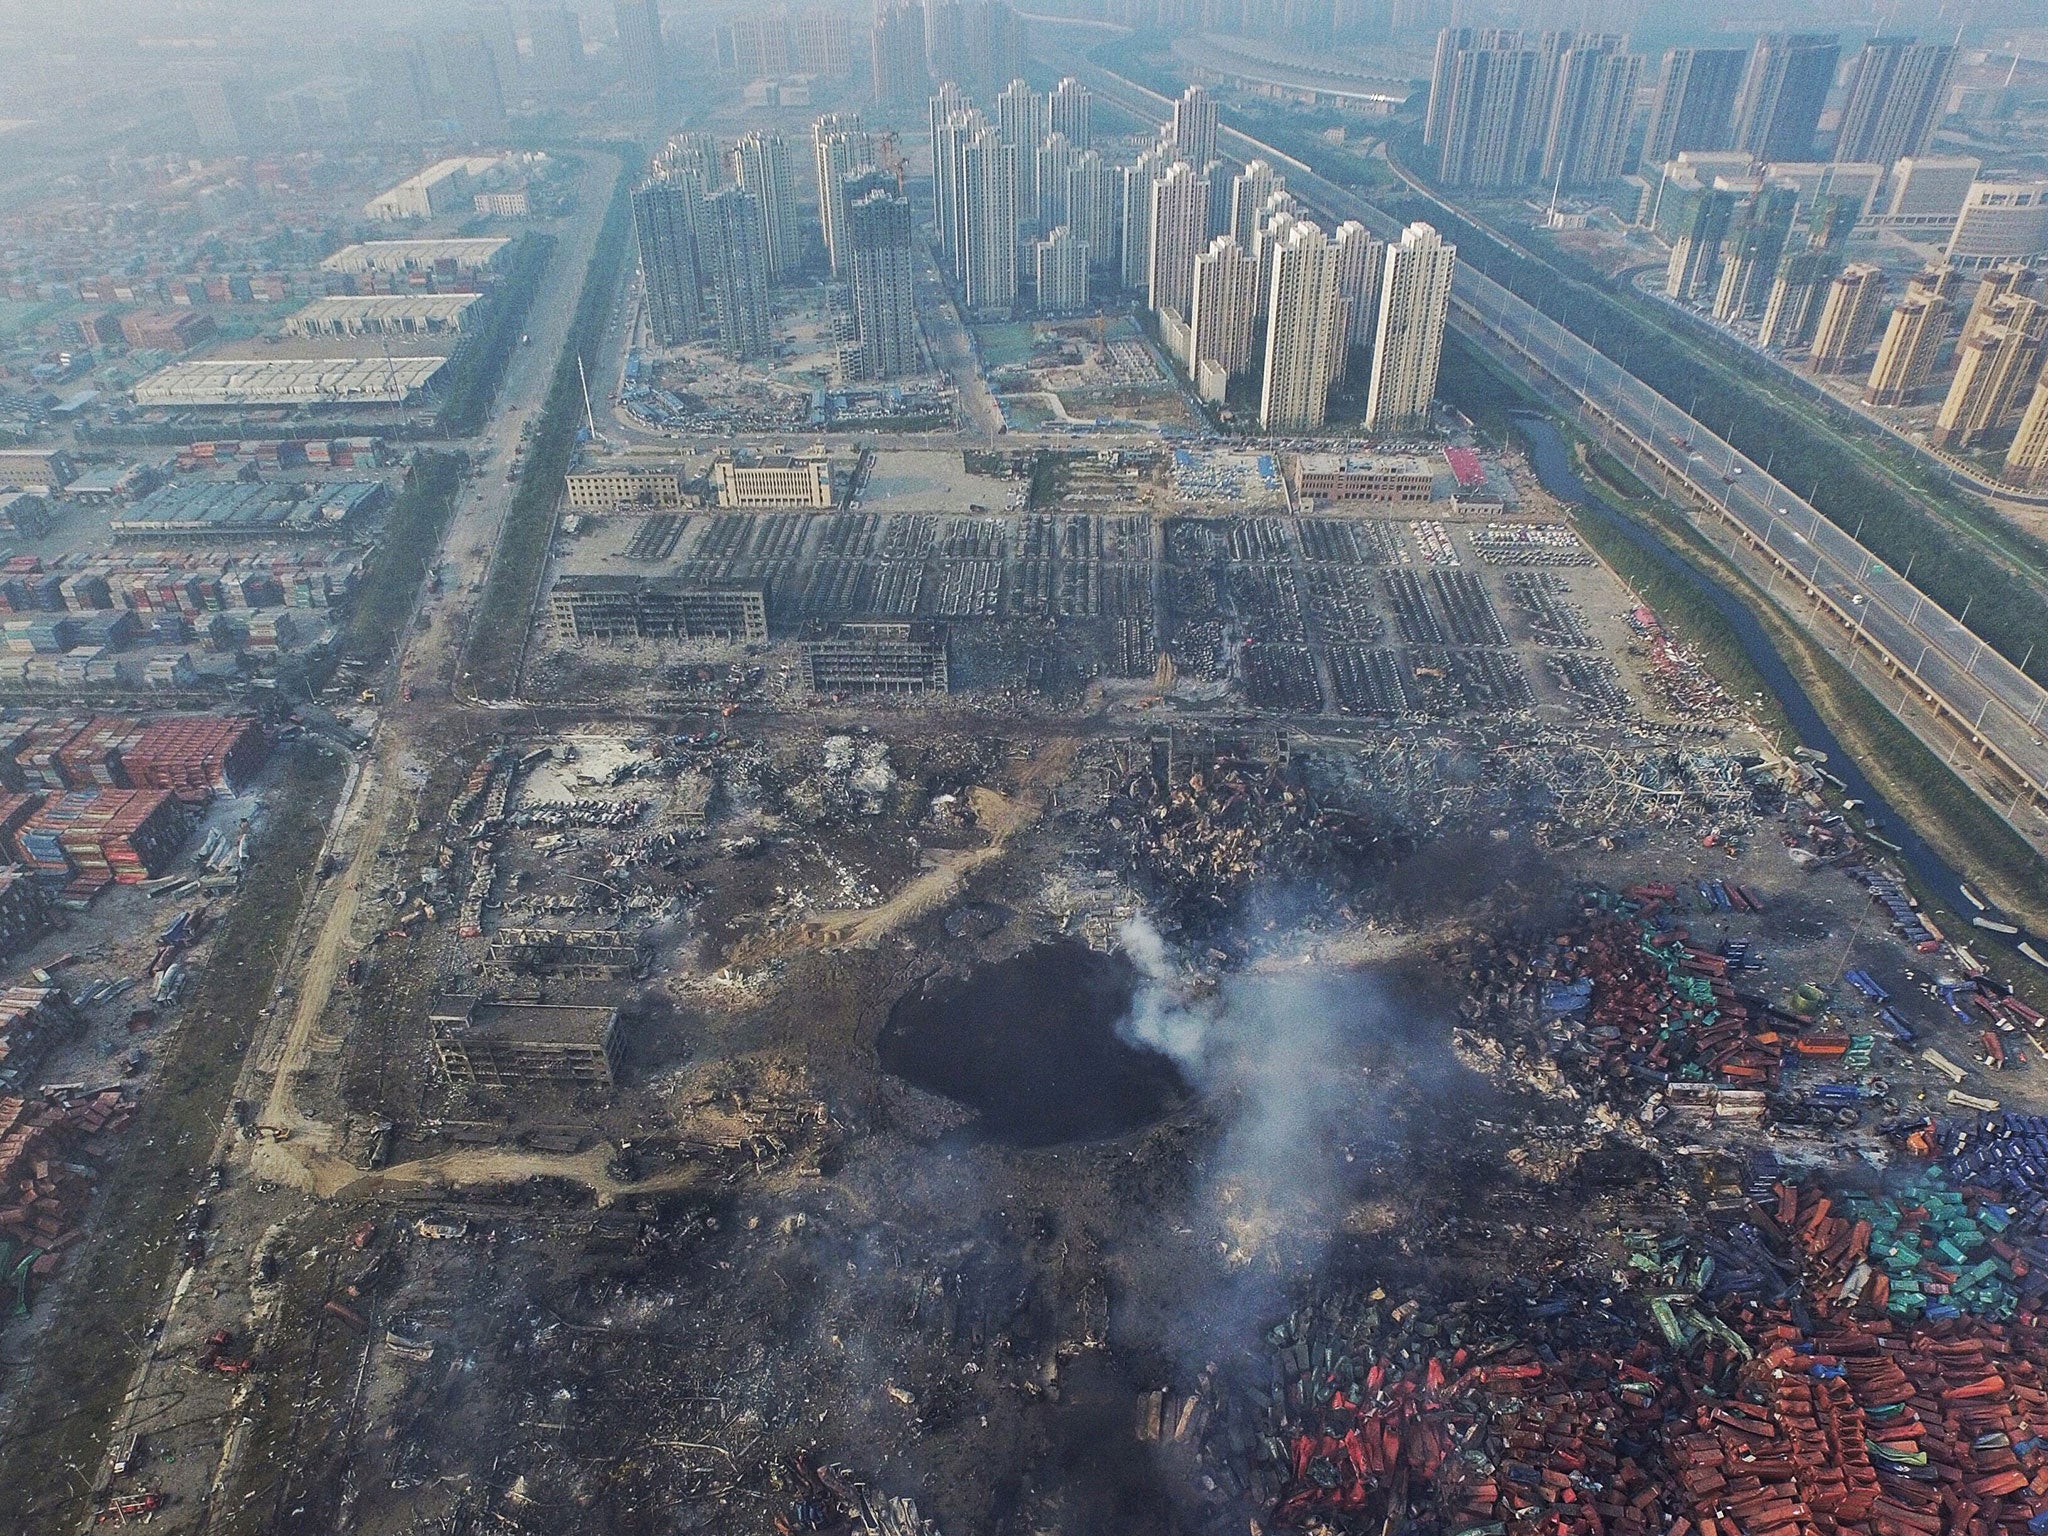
{"points": [[889, 158]]}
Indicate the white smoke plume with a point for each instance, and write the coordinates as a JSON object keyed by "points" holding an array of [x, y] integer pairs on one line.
{"points": [[1163, 1016], [1285, 1060]]}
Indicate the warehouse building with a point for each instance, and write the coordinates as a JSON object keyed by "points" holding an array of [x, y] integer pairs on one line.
{"points": [[242, 509], [392, 258], [880, 657], [774, 486], [657, 608], [448, 186], [383, 314], [279, 381], [510, 1045], [603, 489]]}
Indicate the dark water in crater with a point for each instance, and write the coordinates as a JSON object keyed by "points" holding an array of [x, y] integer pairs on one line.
{"points": [[1031, 1043]]}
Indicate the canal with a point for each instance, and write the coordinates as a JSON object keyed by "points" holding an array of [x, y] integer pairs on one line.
{"points": [[1552, 459]]}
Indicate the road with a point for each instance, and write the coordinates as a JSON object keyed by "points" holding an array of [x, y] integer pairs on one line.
{"points": [[1998, 710], [194, 1450]]}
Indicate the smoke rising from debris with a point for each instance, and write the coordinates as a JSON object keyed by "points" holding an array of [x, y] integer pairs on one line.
{"points": [[1282, 1059]]}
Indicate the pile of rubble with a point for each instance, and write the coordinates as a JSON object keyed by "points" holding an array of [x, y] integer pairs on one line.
{"points": [[1201, 846]]}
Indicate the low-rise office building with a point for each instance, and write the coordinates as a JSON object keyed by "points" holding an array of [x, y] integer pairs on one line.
{"points": [[877, 657], [1327, 477], [657, 608], [775, 486], [605, 487], [512, 1045]]}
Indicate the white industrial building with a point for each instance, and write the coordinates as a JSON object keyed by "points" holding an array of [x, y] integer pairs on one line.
{"points": [[2001, 221], [279, 381], [394, 257], [383, 314], [448, 186]]}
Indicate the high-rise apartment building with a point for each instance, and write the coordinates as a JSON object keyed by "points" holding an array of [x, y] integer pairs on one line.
{"points": [[979, 42], [1360, 259], [1898, 90], [643, 65], [1697, 89], [1301, 332], [734, 247], [1136, 198], [1193, 131], [1179, 230], [987, 198], [1848, 320], [1481, 99], [1415, 298], [2026, 461], [1221, 177], [766, 167], [470, 77], [820, 43], [1053, 175], [493, 23], [839, 146], [1912, 341], [882, 246], [1749, 256], [555, 37], [1226, 306], [1586, 139], [1696, 254], [2010, 279], [1092, 208], [945, 41], [754, 43], [1997, 361], [953, 124], [897, 41], [1783, 92], [1060, 270], [1072, 108], [665, 221], [1249, 190], [1021, 115], [1280, 214], [1798, 291]]}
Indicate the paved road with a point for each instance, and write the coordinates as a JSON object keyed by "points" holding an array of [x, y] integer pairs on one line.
{"points": [[2000, 708]]}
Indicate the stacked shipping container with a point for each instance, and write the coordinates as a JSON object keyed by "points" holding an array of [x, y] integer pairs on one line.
{"points": [[186, 754]]}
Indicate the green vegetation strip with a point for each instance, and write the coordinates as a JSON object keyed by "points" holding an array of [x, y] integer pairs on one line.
{"points": [[411, 534], [1924, 530], [498, 636], [479, 364], [66, 1396]]}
